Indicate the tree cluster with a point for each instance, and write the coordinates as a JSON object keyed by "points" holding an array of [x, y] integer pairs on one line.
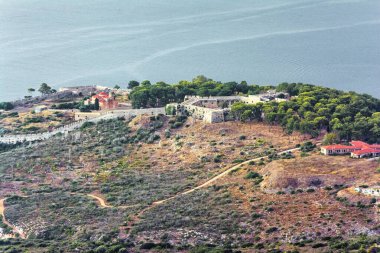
{"points": [[313, 109], [6, 106], [146, 95]]}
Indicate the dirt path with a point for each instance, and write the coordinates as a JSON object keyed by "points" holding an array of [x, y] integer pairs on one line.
{"points": [[15, 229], [101, 201], [136, 218]]}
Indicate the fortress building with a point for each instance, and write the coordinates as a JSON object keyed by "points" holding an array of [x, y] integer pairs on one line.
{"points": [[217, 109]]}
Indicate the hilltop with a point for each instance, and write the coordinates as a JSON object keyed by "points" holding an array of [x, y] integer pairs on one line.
{"points": [[254, 182]]}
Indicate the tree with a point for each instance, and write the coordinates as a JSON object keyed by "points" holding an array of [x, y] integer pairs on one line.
{"points": [[116, 87], [170, 110], [201, 79], [96, 105], [46, 89], [146, 83], [132, 84], [330, 138], [31, 90], [6, 106], [246, 115], [140, 98]]}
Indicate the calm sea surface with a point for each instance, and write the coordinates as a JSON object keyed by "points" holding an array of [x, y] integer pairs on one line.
{"points": [[335, 43]]}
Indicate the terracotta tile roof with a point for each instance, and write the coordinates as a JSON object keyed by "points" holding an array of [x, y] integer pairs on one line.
{"points": [[366, 151], [360, 144], [375, 146], [339, 146]]}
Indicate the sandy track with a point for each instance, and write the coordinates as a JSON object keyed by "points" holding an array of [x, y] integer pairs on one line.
{"points": [[15, 229], [101, 201]]}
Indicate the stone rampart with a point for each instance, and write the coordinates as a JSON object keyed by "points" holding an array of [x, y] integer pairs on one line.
{"points": [[12, 139]]}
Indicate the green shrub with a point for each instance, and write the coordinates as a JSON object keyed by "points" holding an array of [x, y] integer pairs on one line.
{"points": [[271, 230], [252, 175], [87, 124], [238, 161]]}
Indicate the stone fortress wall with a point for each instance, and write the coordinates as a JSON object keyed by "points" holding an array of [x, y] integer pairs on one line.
{"points": [[209, 109], [215, 109], [95, 117]]}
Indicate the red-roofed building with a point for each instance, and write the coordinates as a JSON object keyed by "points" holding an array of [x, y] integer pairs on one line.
{"points": [[360, 144], [357, 149], [106, 100], [338, 149]]}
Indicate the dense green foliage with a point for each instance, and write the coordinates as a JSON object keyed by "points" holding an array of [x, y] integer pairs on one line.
{"points": [[311, 110], [133, 84], [161, 93], [6, 106], [314, 108]]}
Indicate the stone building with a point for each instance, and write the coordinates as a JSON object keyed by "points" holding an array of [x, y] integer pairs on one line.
{"points": [[106, 100], [217, 109]]}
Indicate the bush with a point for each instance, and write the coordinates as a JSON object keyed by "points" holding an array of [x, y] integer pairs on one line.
{"points": [[101, 249], [271, 230], [308, 146], [87, 125], [256, 216], [148, 245], [252, 175], [167, 133], [217, 159], [177, 125]]}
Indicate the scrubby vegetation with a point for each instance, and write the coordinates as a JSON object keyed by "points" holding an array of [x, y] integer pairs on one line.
{"points": [[31, 122], [130, 163]]}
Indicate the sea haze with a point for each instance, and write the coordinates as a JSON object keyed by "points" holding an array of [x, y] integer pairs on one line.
{"points": [[335, 43]]}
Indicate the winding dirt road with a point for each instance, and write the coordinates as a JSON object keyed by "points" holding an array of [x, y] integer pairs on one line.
{"points": [[15, 229], [135, 219], [101, 201]]}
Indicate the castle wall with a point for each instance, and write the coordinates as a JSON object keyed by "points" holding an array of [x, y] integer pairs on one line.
{"points": [[214, 116], [91, 117]]}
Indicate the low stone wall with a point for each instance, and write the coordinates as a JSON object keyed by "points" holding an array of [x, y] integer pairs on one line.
{"points": [[12, 139]]}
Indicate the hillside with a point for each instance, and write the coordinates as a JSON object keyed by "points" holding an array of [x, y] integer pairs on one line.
{"points": [[119, 184]]}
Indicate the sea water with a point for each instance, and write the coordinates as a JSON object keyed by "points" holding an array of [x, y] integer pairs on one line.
{"points": [[335, 43]]}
